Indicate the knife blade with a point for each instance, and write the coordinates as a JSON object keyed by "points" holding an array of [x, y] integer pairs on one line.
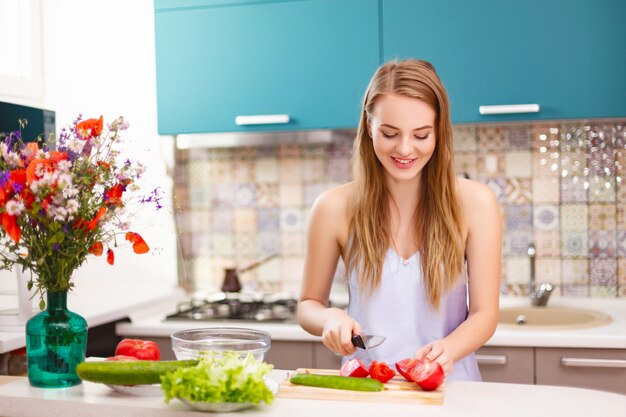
{"points": [[367, 341]]}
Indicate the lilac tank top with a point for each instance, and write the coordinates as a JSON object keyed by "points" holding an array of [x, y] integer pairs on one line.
{"points": [[400, 311]]}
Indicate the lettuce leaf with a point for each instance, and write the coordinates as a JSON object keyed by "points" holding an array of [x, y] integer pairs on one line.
{"points": [[222, 377]]}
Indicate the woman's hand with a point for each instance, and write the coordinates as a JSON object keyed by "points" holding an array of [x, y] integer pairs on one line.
{"points": [[338, 330], [436, 352]]}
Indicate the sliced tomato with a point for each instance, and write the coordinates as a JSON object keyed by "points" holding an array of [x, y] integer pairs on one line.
{"points": [[427, 374], [404, 367], [140, 349], [355, 368], [381, 371]]}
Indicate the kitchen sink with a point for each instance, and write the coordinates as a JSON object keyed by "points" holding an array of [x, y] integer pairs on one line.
{"points": [[550, 318]]}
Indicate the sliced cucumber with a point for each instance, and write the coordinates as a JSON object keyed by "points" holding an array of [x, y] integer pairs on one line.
{"points": [[337, 382], [129, 372]]}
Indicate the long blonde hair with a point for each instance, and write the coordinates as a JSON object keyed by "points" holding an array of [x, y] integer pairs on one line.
{"points": [[438, 221]]}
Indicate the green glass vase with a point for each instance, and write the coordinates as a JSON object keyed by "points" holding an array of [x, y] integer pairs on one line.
{"points": [[56, 342]]}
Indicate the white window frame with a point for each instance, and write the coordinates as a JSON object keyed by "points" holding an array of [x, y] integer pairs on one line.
{"points": [[26, 79]]}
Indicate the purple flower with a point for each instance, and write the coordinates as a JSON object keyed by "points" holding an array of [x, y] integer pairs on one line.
{"points": [[4, 177], [56, 247]]}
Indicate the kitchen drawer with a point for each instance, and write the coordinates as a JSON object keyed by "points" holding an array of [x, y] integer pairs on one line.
{"points": [[506, 364], [290, 355], [325, 358], [602, 369]]}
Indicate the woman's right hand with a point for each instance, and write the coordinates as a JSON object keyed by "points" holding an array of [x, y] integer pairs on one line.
{"points": [[339, 328]]}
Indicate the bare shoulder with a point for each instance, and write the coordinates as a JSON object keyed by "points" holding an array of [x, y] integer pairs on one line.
{"points": [[474, 194], [330, 211]]}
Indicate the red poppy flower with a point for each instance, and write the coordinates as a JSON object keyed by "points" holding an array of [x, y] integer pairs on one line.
{"points": [[89, 128], [94, 222], [110, 257], [96, 249], [31, 169], [139, 245], [56, 156], [10, 226], [114, 194]]}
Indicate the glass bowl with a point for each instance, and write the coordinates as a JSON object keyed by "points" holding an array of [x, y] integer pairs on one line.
{"points": [[189, 344]]}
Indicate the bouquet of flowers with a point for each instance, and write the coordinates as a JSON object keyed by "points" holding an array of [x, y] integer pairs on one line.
{"points": [[60, 203]]}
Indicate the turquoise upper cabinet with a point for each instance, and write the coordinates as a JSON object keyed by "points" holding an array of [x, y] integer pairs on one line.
{"points": [[310, 60], [568, 56]]}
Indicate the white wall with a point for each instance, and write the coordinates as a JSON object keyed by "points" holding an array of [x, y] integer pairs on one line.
{"points": [[98, 58]]}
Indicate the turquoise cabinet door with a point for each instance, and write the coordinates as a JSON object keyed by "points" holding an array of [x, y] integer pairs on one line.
{"points": [[310, 60], [568, 56]]}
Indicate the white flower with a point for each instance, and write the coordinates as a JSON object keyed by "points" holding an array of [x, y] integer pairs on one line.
{"points": [[65, 180], [71, 192], [3, 149], [64, 165], [14, 207], [71, 206], [76, 145], [12, 158]]}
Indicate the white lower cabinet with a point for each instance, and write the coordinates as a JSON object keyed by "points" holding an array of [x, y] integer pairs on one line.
{"points": [[601, 369]]}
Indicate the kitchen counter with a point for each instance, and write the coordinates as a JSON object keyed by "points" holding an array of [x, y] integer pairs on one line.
{"points": [[101, 303], [481, 399], [612, 335]]}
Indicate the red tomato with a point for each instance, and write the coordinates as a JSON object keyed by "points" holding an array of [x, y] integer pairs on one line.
{"points": [[428, 375], [140, 349], [381, 371], [404, 367], [354, 367]]}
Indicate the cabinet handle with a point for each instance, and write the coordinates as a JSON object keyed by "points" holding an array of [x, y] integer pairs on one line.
{"points": [[491, 359], [510, 109], [262, 119], [595, 363]]}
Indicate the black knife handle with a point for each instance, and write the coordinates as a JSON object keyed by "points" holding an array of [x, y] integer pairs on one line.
{"points": [[358, 341]]}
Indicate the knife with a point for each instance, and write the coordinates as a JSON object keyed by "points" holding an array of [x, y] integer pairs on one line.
{"points": [[367, 341]]}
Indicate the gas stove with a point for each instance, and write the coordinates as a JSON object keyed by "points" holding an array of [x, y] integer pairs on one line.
{"points": [[237, 306]]}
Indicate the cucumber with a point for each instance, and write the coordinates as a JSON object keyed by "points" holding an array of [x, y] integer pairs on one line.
{"points": [[337, 382], [129, 372]]}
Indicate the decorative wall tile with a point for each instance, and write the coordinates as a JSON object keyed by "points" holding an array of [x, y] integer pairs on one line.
{"points": [[200, 197], [603, 271], [201, 274], [545, 137], [548, 244], [202, 244], [518, 191], [518, 164], [516, 242], [621, 243], [574, 138], [601, 189], [266, 152], [573, 190], [338, 170], [573, 163], [602, 291], [292, 244], [602, 244], [268, 272], [245, 220], [498, 186], [222, 221], [223, 196], [490, 165], [621, 291], [267, 195], [545, 190], [269, 242], [574, 217], [546, 164], [574, 243], [243, 171], [200, 220], [312, 191], [247, 154], [620, 195], [517, 137], [546, 218], [621, 217], [315, 151], [290, 152], [579, 291], [490, 138], [290, 171], [222, 172], [266, 170], [341, 146], [245, 248], [517, 270], [314, 169], [548, 270], [290, 195], [222, 244], [464, 138], [245, 195], [268, 219], [602, 216], [621, 271], [575, 271], [518, 217], [466, 163], [291, 220]]}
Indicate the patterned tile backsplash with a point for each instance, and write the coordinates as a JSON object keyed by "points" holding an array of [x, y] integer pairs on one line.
{"points": [[561, 185]]}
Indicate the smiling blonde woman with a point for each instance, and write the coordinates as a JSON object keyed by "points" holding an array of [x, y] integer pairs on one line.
{"points": [[422, 247]]}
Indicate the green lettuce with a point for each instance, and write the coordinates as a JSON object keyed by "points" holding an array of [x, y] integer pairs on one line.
{"points": [[222, 377]]}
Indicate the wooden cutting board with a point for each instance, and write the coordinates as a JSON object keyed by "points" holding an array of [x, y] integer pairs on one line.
{"points": [[396, 390]]}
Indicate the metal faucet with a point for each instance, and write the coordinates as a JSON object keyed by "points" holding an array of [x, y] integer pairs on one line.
{"points": [[537, 298]]}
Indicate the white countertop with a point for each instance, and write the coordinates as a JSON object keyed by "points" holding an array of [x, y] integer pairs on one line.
{"points": [[101, 303], [468, 399], [612, 335]]}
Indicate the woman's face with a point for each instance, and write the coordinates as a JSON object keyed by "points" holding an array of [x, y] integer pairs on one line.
{"points": [[403, 133]]}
